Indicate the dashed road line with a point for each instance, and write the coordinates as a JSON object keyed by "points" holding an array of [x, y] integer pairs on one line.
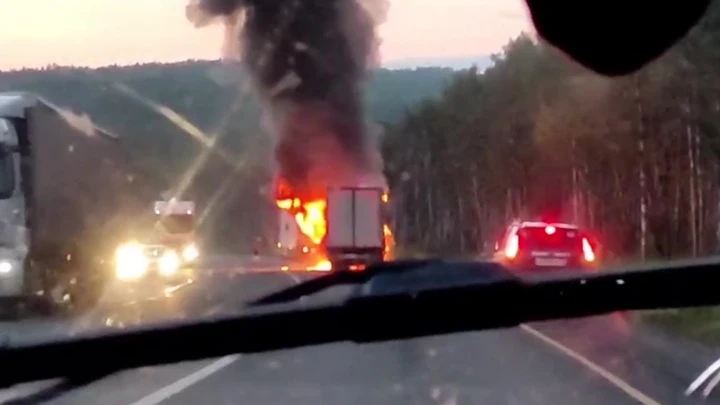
{"points": [[601, 371], [186, 382], [21, 391], [293, 277]]}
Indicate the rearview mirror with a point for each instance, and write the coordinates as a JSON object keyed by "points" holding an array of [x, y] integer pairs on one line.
{"points": [[614, 37]]}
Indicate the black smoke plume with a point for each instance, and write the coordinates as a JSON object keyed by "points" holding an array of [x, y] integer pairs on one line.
{"points": [[309, 59]]}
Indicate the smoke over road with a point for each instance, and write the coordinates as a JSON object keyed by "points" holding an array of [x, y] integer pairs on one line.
{"points": [[309, 59]]}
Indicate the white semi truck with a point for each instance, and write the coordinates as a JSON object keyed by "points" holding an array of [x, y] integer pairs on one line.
{"points": [[66, 195]]}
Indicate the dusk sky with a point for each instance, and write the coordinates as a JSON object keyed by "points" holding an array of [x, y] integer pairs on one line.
{"points": [[102, 32]]}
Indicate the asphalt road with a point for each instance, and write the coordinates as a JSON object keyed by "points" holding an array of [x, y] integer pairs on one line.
{"points": [[601, 360]]}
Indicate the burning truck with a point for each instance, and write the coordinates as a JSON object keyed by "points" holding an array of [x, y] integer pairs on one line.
{"points": [[308, 60], [345, 229]]}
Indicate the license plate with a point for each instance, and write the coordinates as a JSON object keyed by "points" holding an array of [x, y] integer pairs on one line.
{"points": [[544, 261]]}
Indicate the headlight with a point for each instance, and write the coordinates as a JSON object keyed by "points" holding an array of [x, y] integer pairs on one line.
{"points": [[5, 267], [130, 262], [190, 252], [169, 263]]}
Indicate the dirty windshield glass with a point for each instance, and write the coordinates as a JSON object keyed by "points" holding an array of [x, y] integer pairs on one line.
{"points": [[307, 137]]}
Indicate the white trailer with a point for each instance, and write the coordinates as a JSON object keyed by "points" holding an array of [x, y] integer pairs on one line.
{"points": [[355, 219], [66, 195]]}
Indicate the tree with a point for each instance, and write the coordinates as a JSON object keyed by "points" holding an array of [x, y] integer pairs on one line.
{"points": [[634, 158]]}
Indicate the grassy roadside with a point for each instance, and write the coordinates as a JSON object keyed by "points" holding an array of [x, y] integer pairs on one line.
{"points": [[700, 324]]}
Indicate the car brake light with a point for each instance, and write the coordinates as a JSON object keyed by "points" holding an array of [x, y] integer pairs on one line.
{"points": [[588, 253], [512, 247], [549, 229]]}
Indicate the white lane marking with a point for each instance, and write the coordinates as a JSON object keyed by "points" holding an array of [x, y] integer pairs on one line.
{"points": [[25, 390], [711, 385], [604, 373], [293, 277], [182, 384]]}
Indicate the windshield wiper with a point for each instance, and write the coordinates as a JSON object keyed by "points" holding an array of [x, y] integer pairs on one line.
{"points": [[336, 278], [478, 296]]}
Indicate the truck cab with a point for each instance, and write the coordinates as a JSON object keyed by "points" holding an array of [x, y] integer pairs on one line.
{"points": [[175, 224], [13, 231], [292, 243]]}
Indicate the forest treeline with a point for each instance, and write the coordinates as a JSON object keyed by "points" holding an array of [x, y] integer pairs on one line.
{"points": [[168, 114], [635, 158]]}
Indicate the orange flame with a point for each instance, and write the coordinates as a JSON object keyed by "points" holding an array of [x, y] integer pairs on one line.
{"points": [[311, 220], [310, 217], [289, 204], [322, 265], [389, 242], [309, 214]]}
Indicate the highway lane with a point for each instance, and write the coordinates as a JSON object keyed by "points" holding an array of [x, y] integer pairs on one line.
{"points": [[627, 363], [648, 359], [507, 366], [221, 286], [495, 367], [216, 289]]}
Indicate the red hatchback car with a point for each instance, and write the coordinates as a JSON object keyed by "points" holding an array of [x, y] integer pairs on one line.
{"points": [[538, 246]]}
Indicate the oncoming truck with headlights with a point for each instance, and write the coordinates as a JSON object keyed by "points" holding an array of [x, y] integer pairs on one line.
{"points": [[65, 200], [164, 252]]}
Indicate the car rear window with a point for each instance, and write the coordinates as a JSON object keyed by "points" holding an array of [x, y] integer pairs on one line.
{"points": [[536, 237]]}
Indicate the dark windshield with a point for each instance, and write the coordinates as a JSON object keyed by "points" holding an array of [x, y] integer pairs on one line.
{"points": [[7, 175], [554, 238], [177, 223]]}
